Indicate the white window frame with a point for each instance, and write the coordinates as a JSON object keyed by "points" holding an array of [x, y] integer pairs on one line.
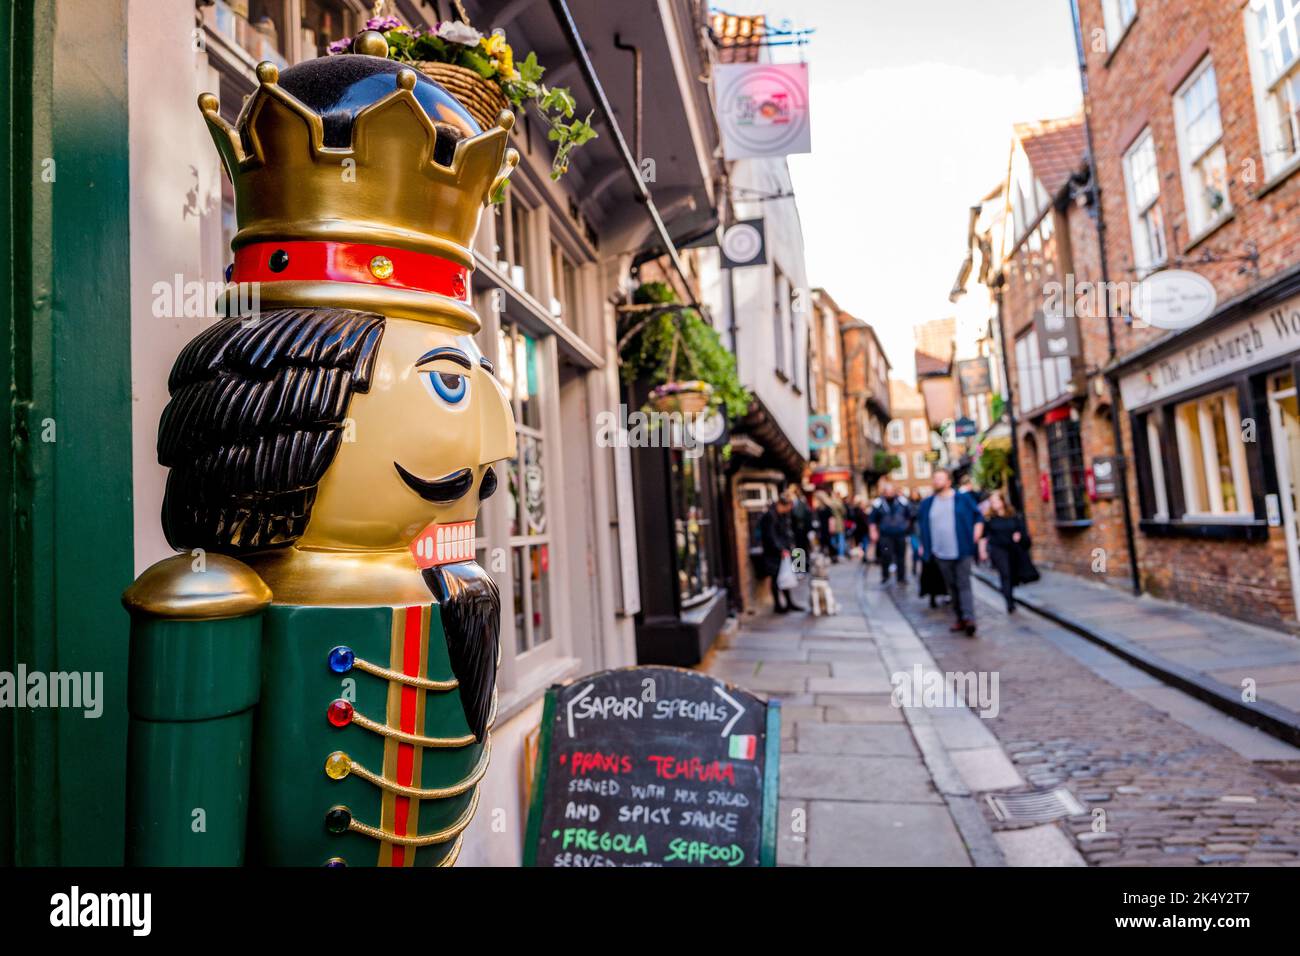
{"points": [[920, 431], [920, 465], [833, 404], [1156, 454], [1273, 82], [1040, 381], [1142, 207], [1200, 160], [1118, 16], [900, 473], [895, 434], [1204, 460]]}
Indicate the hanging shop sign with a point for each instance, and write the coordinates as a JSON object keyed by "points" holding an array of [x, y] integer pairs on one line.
{"points": [[965, 428], [763, 109], [975, 376], [655, 766], [1244, 344], [821, 431], [1105, 474], [744, 243], [1173, 299]]}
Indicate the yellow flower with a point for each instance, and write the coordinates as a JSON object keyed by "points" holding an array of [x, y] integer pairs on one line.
{"points": [[494, 43]]}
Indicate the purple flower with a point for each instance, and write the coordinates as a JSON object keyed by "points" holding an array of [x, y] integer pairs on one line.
{"points": [[341, 46], [383, 23]]}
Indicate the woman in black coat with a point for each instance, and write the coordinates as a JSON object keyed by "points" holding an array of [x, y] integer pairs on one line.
{"points": [[1008, 539]]}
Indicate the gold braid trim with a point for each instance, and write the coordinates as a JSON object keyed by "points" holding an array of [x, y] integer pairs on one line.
{"points": [[451, 858], [426, 839], [435, 793], [374, 726], [401, 678]]}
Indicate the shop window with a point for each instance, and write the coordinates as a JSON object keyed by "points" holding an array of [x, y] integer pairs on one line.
{"points": [[692, 528], [1142, 181], [920, 432], [1200, 145], [519, 368], [1065, 459], [1118, 15], [894, 432], [1212, 457], [1160, 504], [1273, 29]]}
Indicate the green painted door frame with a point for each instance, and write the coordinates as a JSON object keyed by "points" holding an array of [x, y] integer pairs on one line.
{"points": [[66, 474]]}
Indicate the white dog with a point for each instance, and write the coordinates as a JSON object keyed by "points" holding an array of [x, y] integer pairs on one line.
{"points": [[820, 594]]}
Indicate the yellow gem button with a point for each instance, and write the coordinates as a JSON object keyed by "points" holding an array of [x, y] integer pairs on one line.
{"points": [[381, 267], [338, 765]]}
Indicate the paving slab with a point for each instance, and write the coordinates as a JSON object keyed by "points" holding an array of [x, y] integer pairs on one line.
{"points": [[1043, 845], [882, 834], [880, 740], [985, 769], [846, 777]]}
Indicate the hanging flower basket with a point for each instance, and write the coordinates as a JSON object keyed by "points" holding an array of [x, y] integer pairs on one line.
{"points": [[481, 98], [689, 398]]}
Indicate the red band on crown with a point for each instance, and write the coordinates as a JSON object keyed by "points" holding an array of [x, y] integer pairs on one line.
{"points": [[351, 262]]}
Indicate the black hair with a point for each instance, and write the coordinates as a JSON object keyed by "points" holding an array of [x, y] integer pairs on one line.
{"points": [[256, 416]]}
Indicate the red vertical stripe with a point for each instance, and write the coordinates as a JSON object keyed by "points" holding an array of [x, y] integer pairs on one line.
{"points": [[411, 653]]}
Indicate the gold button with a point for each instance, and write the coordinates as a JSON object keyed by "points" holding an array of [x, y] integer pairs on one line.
{"points": [[381, 267], [337, 765]]}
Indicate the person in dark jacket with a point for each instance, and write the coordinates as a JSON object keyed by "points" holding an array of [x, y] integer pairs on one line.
{"points": [[1009, 543], [891, 519], [801, 516], [777, 538]]}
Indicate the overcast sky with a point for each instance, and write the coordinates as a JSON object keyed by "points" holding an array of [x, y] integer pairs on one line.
{"points": [[912, 106]]}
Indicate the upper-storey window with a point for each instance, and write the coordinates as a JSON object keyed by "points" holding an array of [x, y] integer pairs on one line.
{"points": [[1200, 146], [1118, 16], [1273, 27], [1142, 180]]}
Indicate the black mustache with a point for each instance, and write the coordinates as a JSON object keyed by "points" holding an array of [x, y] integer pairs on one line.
{"points": [[439, 490], [470, 608]]}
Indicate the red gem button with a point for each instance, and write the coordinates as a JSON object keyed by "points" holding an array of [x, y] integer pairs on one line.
{"points": [[339, 713]]}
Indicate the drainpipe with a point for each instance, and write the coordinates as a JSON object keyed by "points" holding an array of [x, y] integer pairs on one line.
{"points": [[579, 51], [1112, 386], [636, 93]]}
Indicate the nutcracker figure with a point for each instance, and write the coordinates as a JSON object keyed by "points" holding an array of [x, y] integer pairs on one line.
{"points": [[312, 677]]}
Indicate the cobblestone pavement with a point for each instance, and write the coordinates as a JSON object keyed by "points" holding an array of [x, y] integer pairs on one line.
{"points": [[1168, 794]]}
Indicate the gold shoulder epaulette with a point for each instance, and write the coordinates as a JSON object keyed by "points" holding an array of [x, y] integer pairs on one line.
{"points": [[189, 587]]}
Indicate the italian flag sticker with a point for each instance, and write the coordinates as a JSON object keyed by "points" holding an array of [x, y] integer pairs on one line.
{"points": [[742, 746]]}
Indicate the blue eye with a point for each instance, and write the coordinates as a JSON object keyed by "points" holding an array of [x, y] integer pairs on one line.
{"points": [[450, 387]]}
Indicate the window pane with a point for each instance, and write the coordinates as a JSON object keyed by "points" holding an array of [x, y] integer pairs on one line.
{"points": [[539, 560], [1192, 458], [532, 494], [527, 375], [521, 618]]}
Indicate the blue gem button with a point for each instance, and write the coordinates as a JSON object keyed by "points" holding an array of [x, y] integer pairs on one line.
{"points": [[341, 659]]}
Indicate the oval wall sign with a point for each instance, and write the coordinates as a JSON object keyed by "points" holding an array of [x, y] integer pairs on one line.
{"points": [[1174, 299]]}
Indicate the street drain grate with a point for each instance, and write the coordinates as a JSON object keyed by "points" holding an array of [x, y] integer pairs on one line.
{"points": [[1039, 806]]}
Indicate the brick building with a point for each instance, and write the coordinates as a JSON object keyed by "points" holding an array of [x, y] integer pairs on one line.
{"points": [[1193, 114], [866, 400], [1062, 403], [826, 404], [908, 437], [936, 379]]}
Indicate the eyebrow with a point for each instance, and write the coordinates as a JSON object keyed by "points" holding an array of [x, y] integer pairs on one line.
{"points": [[445, 352]]}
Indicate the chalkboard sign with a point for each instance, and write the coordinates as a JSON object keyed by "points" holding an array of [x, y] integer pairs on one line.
{"points": [[654, 766]]}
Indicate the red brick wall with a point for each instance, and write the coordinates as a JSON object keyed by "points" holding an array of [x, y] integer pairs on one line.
{"points": [[1132, 88]]}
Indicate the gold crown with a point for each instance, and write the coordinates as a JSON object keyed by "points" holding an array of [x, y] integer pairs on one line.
{"points": [[385, 189]]}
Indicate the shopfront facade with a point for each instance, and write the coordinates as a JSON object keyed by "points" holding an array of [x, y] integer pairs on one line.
{"points": [[1215, 430]]}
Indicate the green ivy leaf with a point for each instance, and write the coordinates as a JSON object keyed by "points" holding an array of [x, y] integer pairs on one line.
{"points": [[530, 71]]}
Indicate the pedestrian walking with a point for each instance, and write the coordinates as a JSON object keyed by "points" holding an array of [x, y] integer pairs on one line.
{"points": [[891, 519], [859, 526], [914, 536], [951, 532], [777, 538], [1008, 539]]}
